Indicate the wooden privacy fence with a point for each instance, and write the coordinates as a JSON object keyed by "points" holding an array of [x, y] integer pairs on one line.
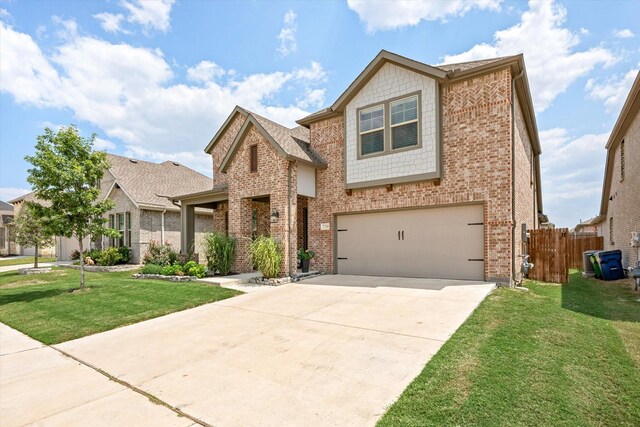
{"points": [[578, 245], [554, 251], [549, 252]]}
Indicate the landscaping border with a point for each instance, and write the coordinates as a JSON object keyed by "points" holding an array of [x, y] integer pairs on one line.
{"points": [[104, 268], [167, 278]]}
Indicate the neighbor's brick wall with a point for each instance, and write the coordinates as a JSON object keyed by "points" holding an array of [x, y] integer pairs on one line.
{"points": [[270, 180], [625, 206], [151, 229], [525, 181], [476, 161]]}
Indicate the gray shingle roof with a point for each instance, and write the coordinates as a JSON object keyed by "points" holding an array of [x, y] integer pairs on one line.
{"points": [[147, 183], [294, 142], [5, 207]]}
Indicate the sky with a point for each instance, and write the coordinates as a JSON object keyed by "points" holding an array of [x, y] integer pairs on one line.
{"points": [[155, 79]]}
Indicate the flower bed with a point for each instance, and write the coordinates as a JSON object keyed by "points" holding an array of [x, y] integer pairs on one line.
{"points": [[168, 278]]}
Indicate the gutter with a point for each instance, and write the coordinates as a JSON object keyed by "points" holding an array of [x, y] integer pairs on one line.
{"points": [[513, 177]]}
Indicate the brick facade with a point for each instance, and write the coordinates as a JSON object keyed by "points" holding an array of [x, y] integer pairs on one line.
{"points": [[624, 205], [476, 168]]}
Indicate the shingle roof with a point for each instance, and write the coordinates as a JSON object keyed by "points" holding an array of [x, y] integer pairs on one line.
{"points": [[465, 66], [149, 183], [5, 207], [294, 142]]}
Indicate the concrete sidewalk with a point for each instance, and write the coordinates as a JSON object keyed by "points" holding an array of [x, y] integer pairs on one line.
{"points": [[42, 386], [40, 264]]}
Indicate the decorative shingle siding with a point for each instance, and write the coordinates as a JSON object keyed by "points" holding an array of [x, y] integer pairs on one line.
{"points": [[389, 82], [624, 205], [476, 166]]}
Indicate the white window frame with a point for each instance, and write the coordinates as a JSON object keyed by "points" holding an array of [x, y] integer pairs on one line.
{"points": [[416, 120], [382, 128]]}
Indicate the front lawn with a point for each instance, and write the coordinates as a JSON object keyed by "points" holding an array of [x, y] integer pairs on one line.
{"points": [[41, 306], [556, 355], [25, 260]]}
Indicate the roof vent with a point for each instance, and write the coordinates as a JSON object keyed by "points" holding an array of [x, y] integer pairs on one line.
{"points": [[176, 164], [133, 160]]}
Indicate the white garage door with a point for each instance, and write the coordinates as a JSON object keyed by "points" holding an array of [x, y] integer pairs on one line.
{"points": [[442, 243]]}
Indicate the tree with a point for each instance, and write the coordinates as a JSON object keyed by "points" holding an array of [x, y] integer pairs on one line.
{"points": [[30, 230], [65, 175]]}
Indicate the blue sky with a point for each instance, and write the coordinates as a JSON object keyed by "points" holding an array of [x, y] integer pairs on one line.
{"points": [[155, 79]]}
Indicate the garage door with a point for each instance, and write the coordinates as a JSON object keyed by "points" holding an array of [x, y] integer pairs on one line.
{"points": [[442, 243]]}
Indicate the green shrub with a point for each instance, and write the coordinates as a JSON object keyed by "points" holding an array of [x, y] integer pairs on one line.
{"points": [[75, 255], [220, 251], [305, 254], [172, 270], [152, 269], [160, 254], [109, 256], [94, 254], [125, 254], [266, 255], [193, 269]]}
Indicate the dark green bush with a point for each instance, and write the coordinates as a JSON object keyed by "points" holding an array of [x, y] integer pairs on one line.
{"points": [[220, 251], [75, 255], [109, 256], [125, 254], [152, 269]]}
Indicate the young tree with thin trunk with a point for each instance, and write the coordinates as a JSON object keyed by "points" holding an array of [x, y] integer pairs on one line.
{"points": [[65, 175], [30, 230]]}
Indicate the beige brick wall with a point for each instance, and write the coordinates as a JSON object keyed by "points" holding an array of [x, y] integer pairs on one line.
{"points": [[271, 180], [476, 162], [525, 192], [625, 204]]}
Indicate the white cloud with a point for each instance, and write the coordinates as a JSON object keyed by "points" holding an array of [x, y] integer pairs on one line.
{"points": [[10, 193], [149, 14], [205, 71], [67, 28], [572, 170], [613, 91], [111, 22], [387, 15], [4, 13], [103, 144], [624, 33], [128, 92], [312, 98], [552, 62], [287, 36]]}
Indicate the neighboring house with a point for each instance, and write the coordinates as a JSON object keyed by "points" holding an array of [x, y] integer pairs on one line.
{"points": [[17, 203], [7, 238], [586, 228], [620, 205], [143, 211], [416, 170]]}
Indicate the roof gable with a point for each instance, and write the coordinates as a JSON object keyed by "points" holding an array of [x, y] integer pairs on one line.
{"points": [[291, 144], [236, 110]]}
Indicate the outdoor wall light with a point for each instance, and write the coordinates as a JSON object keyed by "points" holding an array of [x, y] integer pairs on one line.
{"points": [[275, 215]]}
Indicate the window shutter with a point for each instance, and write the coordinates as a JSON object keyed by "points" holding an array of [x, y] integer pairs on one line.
{"points": [[253, 161]]}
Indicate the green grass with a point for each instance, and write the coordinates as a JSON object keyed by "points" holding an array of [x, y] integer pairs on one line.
{"points": [[556, 355], [25, 260], [42, 307]]}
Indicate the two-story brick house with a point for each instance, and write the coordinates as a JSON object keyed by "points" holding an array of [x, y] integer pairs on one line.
{"points": [[415, 170]]}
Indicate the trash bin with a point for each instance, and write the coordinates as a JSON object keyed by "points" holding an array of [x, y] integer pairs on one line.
{"points": [[611, 264], [596, 265]]}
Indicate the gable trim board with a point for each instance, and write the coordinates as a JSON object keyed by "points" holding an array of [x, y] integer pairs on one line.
{"points": [[236, 110]]}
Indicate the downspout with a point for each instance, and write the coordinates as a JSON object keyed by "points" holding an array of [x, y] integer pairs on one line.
{"points": [[162, 227], [289, 219], [513, 178]]}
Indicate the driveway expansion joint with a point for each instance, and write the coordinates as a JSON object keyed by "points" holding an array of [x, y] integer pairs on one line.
{"points": [[152, 398]]}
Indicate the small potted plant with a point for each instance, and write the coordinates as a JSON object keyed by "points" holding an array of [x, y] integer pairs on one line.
{"points": [[305, 255]]}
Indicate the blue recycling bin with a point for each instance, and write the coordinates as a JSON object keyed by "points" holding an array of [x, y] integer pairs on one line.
{"points": [[611, 264]]}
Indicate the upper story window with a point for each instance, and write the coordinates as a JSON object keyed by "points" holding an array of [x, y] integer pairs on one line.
{"points": [[404, 123], [622, 160], [391, 125], [253, 158], [372, 130]]}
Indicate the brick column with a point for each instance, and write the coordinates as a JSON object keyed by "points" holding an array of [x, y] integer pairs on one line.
{"points": [[240, 228]]}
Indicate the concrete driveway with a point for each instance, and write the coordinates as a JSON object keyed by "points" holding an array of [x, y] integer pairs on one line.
{"points": [[334, 350]]}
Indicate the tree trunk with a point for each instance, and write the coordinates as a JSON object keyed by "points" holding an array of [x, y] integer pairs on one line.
{"points": [[35, 259], [81, 263]]}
